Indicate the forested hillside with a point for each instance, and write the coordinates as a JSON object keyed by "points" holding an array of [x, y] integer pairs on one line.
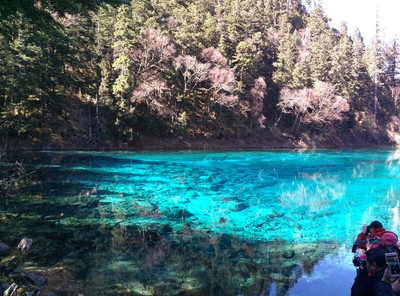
{"points": [[260, 71]]}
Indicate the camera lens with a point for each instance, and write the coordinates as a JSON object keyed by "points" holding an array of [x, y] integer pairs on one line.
{"points": [[357, 261]]}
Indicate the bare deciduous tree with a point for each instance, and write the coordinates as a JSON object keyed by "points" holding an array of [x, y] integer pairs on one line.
{"points": [[151, 92], [317, 105], [305, 35], [193, 72], [155, 48], [395, 94], [211, 73], [213, 56], [257, 94], [222, 79]]}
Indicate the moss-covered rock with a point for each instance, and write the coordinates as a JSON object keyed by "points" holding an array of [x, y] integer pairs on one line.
{"points": [[4, 249], [8, 264], [3, 285]]}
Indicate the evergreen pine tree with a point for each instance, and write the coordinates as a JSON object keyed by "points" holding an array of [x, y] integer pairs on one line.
{"points": [[287, 57], [360, 75], [342, 65], [391, 62], [123, 44], [322, 43]]}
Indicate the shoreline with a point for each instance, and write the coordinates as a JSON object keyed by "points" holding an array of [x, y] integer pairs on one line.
{"points": [[181, 143]]}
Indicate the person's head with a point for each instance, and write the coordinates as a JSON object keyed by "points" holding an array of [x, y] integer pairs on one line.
{"points": [[374, 225], [389, 238], [391, 249], [375, 260]]}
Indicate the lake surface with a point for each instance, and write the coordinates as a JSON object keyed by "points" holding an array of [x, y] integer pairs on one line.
{"points": [[200, 223]]}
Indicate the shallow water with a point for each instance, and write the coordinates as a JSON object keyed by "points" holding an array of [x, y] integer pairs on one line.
{"points": [[201, 223]]}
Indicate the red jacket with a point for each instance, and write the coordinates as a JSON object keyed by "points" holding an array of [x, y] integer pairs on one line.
{"points": [[378, 232]]}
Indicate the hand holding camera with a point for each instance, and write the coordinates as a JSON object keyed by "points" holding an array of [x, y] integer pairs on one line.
{"points": [[393, 260], [366, 229]]}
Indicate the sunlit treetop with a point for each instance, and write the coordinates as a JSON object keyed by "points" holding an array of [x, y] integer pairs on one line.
{"points": [[41, 13], [30, 8]]}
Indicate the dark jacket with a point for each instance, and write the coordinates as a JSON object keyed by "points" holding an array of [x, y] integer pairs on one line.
{"points": [[378, 232], [383, 289], [364, 284]]}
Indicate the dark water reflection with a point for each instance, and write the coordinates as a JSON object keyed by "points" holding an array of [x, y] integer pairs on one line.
{"points": [[226, 223], [122, 260]]}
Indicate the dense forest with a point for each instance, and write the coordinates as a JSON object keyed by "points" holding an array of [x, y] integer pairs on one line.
{"points": [[102, 75]]}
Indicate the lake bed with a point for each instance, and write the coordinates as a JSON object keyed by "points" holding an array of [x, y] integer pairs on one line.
{"points": [[201, 222]]}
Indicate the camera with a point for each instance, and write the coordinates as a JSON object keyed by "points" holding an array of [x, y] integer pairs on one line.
{"points": [[357, 261], [373, 240], [393, 260]]}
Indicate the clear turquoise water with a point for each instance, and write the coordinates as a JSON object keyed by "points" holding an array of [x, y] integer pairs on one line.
{"points": [[202, 223]]}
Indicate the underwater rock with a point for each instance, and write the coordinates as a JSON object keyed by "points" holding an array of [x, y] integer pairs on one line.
{"points": [[8, 264], [288, 254], [198, 271], [137, 288], [23, 284], [275, 214], [193, 286], [25, 245], [4, 248], [240, 207], [20, 278], [38, 281], [181, 214], [243, 266], [33, 283]]}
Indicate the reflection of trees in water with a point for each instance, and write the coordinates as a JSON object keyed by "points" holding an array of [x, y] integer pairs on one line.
{"points": [[163, 259], [392, 197], [393, 164], [363, 171], [315, 191], [312, 203], [381, 197], [393, 158], [166, 260]]}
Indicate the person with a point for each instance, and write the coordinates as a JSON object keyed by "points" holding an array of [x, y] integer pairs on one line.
{"points": [[373, 230], [389, 238], [387, 287], [370, 274], [384, 286], [391, 248]]}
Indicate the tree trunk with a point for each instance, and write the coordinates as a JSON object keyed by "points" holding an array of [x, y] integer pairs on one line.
{"points": [[236, 8], [6, 145], [90, 122], [376, 95], [97, 114]]}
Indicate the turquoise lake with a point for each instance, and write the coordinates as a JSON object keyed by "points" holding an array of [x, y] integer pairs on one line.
{"points": [[200, 222]]}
